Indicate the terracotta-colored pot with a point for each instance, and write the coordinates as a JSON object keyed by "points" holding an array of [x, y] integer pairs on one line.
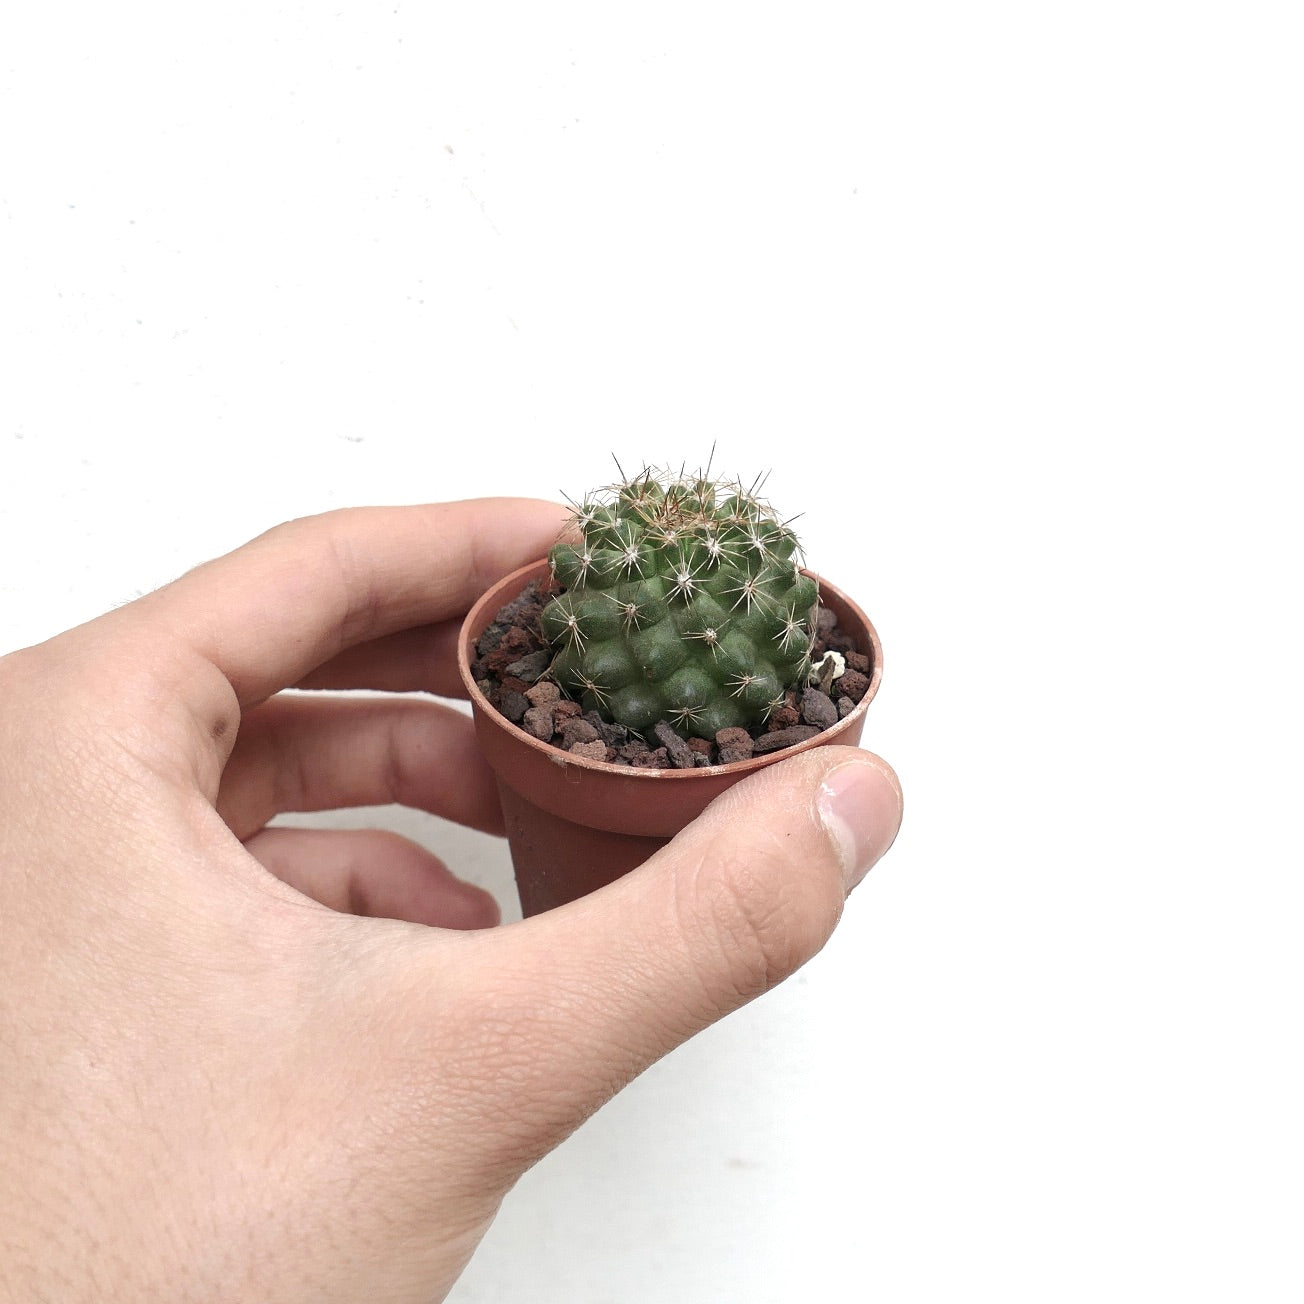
{"points": [[575, 824]]}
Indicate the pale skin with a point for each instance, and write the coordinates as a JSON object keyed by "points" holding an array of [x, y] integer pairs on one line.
{"points": [[240, 1063]]}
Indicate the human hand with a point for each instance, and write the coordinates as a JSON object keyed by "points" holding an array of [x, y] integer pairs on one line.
{"points": [[223, 1083]]}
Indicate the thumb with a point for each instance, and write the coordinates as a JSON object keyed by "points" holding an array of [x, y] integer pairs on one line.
{"points": [[600, 989]]}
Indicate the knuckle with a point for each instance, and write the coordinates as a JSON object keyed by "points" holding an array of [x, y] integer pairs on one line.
{"points": [[327, 543], [361, 598]]}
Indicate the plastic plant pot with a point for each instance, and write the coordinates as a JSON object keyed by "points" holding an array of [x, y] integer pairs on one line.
{"points": [[575, 824]]}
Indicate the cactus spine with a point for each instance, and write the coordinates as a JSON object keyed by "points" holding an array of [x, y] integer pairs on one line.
{"points": [[684, 601]]}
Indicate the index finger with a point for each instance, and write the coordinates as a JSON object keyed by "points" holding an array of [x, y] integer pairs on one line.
{"points": [[273, 610]]}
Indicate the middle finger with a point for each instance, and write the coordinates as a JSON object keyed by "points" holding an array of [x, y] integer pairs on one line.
{"points": [[309, 752], [423, 659]]}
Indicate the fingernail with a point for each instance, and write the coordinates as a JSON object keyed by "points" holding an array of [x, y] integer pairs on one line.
{"points": [[859, 804]]}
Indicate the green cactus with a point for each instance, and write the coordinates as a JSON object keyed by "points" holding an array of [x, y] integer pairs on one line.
{"points": [[683, 601]]}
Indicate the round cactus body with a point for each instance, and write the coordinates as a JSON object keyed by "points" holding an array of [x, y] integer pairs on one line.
{"points": [[683, 601]]}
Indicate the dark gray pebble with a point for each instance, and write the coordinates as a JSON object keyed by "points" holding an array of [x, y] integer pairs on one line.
{"points": [[680, 753], [531, 667], [514, 706], [490, 639], [772, 742], [525, 609], [614, 735], [817, 708]]}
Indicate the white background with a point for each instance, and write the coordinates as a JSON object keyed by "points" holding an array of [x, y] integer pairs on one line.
{"points": [[1008, 296]]}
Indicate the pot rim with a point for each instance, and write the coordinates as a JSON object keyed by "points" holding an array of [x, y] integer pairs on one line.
{"points": [[473, 624]]}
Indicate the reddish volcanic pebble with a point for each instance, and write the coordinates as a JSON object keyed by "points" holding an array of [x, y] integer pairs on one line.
{"points": [[543, 693], [515, 644], [575, 731], [733, 745], [733, 737], [784, 718], [852, 684]]}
